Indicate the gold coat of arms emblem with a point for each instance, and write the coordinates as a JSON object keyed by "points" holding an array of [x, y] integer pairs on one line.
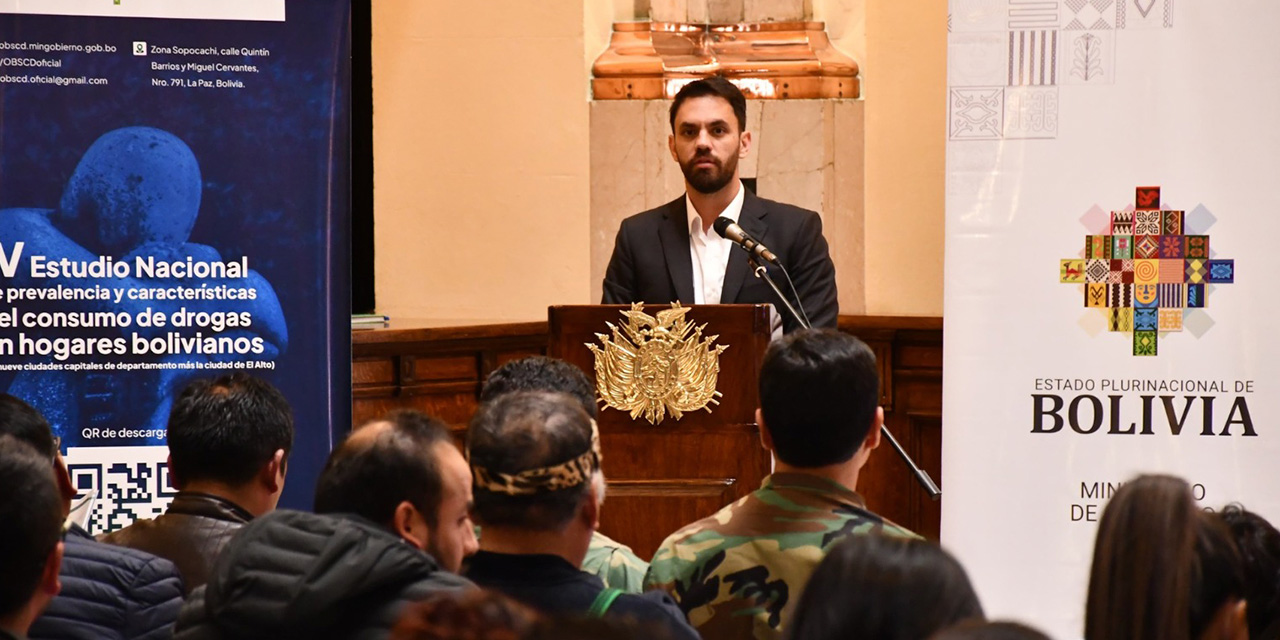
{"points": [[654, 366]]}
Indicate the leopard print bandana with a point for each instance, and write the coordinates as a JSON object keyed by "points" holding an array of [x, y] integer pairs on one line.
{"points": [[565, 475]]}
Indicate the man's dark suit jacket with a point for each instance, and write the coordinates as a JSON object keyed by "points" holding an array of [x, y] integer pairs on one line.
{"points": [[651, 261]]}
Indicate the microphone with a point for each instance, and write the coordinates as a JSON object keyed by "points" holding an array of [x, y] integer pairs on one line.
{"points": [[729, 230]]}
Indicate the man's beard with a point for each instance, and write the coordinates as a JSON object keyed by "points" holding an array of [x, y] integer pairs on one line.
{"points": [[709, 181]]}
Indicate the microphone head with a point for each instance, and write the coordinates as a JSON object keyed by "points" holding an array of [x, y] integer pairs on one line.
{"points": [[721, 225]]}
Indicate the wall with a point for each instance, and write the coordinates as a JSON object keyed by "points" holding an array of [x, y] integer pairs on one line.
{"points": [[480, 156], [904, 85], [465, 183]]}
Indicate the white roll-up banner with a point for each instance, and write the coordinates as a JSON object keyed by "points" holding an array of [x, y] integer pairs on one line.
{"points": [[1109, 276]]}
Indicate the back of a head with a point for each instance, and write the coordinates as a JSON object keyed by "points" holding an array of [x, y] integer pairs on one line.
{"points": [[540, 373], [1162, 568], [581, 628], [371, 476], [477, 614], [533, 456], [1259, 545], [819, 390], [981, 630], [226, 429], [872, 586], [31, 517], [22, 421]]}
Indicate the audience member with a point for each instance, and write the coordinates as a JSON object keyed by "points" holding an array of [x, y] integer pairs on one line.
{"points": [[980, 630], [30, 552], [613, 562], [229, 442], [580, 628], [107, 592], [1163, 569], [478, 614], [1259, 546], [884, 588], [535, 458], [395, 490], [738, 573]]}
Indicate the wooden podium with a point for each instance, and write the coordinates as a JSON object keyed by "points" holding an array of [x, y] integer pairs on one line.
{"points": [[666, 475]]}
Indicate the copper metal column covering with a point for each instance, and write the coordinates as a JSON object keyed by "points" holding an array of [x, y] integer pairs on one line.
{"points": [[650, 60]]}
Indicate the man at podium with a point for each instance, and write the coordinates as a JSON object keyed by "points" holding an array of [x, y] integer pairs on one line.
{"points": [[673, 253]]}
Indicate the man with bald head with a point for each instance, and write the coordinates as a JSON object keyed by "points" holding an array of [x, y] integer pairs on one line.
{"points": [[405, 473], [391, 525]]}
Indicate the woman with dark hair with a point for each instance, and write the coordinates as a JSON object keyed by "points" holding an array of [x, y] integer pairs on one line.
{"points": [[884, 588], [1163, 569]]}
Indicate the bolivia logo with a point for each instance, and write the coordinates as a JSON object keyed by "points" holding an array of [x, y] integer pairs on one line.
{"points": [[1149, 270]]}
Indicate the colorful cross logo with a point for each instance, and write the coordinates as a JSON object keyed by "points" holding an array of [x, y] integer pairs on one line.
{"points": [[1145, 271]]}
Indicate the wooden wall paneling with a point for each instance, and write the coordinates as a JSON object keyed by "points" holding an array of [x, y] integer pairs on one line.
{"points": [[926, 429], [438, 367], [909, 354]]}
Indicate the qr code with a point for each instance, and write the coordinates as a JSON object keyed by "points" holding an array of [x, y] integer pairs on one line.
{"points": [[116, 486]]}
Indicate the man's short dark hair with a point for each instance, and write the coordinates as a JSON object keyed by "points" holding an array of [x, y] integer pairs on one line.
{"points": [[370, 478], [30, 521], [521, 431], [22, 421], [819, 390], [712, 86], [226, 429], [540, 373]]}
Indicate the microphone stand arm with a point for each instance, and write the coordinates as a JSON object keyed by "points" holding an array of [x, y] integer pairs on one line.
{"points": [[763, 274], [921, 475]]}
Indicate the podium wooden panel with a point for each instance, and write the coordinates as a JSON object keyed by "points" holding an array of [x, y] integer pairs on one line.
{"points": [[666, 475]]}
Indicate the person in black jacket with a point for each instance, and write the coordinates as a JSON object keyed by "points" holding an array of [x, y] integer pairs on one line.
{"points": [[535, 462], [391, 521], [107, 592], [672, 252], [229, 441], [29, 546]]}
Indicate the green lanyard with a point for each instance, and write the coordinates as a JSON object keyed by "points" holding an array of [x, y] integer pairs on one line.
{"points": [[603, 602]]}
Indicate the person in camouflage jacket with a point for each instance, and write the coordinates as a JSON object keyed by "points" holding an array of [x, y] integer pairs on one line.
{"points": [[739, 573]]}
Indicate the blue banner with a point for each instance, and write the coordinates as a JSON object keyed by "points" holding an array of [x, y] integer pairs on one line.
{"points": [[174, 204]]}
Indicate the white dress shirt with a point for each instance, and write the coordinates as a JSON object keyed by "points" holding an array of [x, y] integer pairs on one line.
{"points": [[709, 251]]}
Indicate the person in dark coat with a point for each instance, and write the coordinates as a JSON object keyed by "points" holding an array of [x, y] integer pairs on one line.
{"points": [[229, 441], [673, 253], [391, 522], [107, 592], [30, 551], [535, 461]]}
